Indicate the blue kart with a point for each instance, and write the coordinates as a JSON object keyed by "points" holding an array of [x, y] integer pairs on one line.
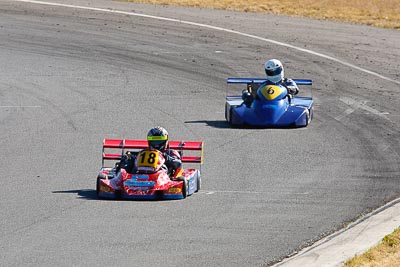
{"points": [[270, 105]]}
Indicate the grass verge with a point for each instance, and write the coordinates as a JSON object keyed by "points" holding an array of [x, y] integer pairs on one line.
{"points": [[385, 254], [379, 13]]}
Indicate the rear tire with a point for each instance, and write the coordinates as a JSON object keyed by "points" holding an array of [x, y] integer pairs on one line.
{"points": [[226, 112], [229, 113]]}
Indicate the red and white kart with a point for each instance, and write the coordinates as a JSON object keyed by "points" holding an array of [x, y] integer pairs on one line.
{"points": [[150, 180]]}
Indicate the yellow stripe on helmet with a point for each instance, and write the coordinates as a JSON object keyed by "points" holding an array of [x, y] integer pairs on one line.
{"points": [[157, 138]]}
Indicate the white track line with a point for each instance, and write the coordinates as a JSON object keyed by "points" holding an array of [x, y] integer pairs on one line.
{"points": [[362, 105], [217, 29], [19, 106], [245, 192]]}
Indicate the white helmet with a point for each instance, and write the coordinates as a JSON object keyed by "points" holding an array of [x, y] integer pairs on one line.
{"points": [[274, 70]]}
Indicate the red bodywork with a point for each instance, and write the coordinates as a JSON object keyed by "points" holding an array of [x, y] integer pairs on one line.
{"points": [[156, 185]]}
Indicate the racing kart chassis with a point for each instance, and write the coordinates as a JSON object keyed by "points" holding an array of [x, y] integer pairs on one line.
{"points": [[151, 186], [273, 107]]}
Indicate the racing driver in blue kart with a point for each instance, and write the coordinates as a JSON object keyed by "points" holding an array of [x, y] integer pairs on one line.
{"points": [[275, 76], [157, 139]]}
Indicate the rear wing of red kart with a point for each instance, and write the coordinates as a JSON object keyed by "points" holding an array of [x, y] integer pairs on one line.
{"points": [[110, 146]]}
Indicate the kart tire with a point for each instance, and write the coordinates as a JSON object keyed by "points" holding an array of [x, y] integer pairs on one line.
{"points": [[98, 187], [184, 186], [226, 112], [311, 114], [308, 118], [159, 195], [198, 182], [228, 115]]}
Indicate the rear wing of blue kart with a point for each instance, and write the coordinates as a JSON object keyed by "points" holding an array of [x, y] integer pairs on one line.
{"points": [[114, 149], [262, 80]]}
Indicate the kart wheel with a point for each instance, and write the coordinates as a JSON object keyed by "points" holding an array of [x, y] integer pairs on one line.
{"points": [[228, 113], [159, 195], [184, 186], [311, 114], [198, 182], [308, 117], [98, 187], [118, 194]]}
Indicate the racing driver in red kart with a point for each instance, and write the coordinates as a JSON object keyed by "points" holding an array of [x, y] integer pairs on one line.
{"points": [[275, 76], [157, 138]]}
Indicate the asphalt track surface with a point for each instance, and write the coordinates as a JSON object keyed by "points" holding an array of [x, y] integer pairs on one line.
{"points": [[71, 77]]}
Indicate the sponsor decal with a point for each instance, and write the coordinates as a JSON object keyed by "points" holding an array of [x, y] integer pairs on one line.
{"points": [[174, 190], [146, 169], [157, 138], [271, 92], [140, 177], [139, 188], [104, 189], [132, 183]]}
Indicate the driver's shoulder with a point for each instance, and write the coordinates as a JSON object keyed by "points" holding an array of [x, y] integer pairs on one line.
{"points": [[172, 152]]}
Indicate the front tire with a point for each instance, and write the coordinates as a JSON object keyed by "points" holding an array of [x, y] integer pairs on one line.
{"points": [[308, 117], [198, 182], [98, 187], [184, 186]]}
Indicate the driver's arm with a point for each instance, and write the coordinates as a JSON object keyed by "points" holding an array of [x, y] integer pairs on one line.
{"points": [[292, 86], [173, 159]]}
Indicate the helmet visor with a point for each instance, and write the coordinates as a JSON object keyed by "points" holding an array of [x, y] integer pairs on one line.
{"points": [[159, 145], [274, 72]]}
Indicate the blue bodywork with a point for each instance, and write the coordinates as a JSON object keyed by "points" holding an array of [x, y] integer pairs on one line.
{"points": [[271, 106]]}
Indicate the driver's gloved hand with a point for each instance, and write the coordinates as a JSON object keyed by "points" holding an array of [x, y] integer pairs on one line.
{"points": [[167, 157], [293, 90], [247, 97]]}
